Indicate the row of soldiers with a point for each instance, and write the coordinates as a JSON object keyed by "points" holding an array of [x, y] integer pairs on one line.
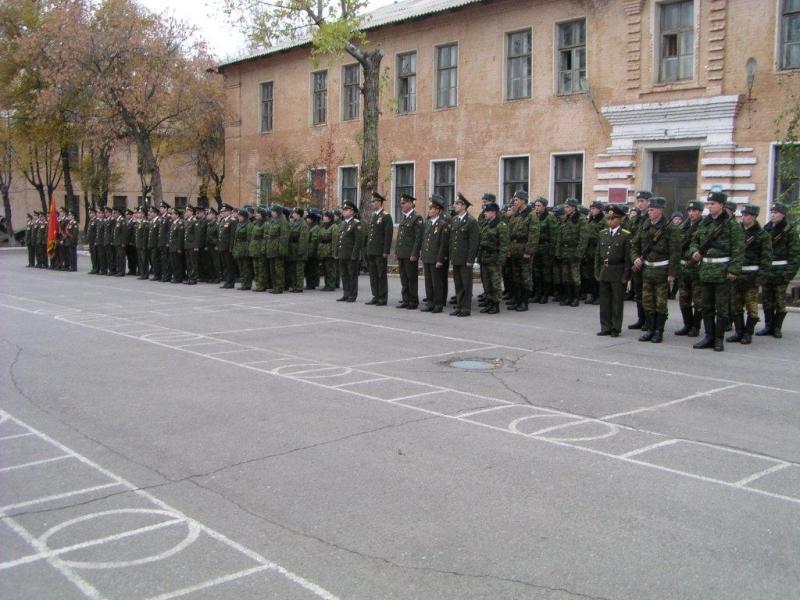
{"points": [[65, 257]]}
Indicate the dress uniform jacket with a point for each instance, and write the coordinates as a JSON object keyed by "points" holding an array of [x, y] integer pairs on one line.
{"points": [[379, 234], [435, 242], [464, 240], [410, 230], [176, 236], [612, 259], [350, 240]]}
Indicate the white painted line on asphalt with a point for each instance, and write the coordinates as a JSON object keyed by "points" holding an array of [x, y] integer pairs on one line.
{"points": [[420, 395], [424, 357], [670, 402], [241, 349], [34, 463], [15, 436], [644, 449], [472, 413], [268, 328], [43, 499], [344, 385], [760, 474], [210, 583], [254, 362]]}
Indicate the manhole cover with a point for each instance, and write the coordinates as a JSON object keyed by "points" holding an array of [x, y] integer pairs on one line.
{"points": [[477, 364]]}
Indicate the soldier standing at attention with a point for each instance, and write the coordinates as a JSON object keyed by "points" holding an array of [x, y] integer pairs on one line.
{"points": [[325, 251], [153, 253], [689, 293], [410, 230], [140, 228], [612, 269], [757, 261], [29, 227], [298, 249], [256, 250], [785, 262], [163, 241], [633, 225], [464, 240], [176, 246], [108, 234], [119, 240], [240, 248], [227, 226], [91, 240], [572, 247], [378, 244], [493, 250], [655, 252], [211, 245], [312, 256], [348, 248], [718, 246], [191, 245], [435, 246], [595, 224], [542, 275], [276, 233], [523, 232]]}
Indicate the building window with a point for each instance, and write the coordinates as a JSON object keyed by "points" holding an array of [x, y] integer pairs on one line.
{"points": [[318, 183], [119, 202], [786, 176], [264, 189], [790, 34], [351, 92], [568, 177], [403, 184], [572, 57], [181, 201], [676, 53], [515, 176], [266, 106], [444, 180], [349, 185], [143, 200], [518, 64], [319, 107], [202, 202], [407, 83], [446, 76]]}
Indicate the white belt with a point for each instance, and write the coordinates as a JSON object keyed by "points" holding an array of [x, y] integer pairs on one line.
{"points": [[722, 259], [660, 263], [750, 268], [780, 263], [684, 262]]}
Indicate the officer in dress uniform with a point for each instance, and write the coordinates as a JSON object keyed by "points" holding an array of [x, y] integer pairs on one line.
{"points": [[612, 269], [191, 245], [378, 244], [227, 225], [212, 251], [410, 230], [434, 254], [464, 240], [348, 249], [163, 241], [153, 251]]}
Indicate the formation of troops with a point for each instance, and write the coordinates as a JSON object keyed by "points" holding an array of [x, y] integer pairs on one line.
{"points": [[721, 267]]}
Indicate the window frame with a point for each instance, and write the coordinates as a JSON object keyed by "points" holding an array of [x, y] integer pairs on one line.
{"points": [[501, 195], [781, 32], [260, 186], [438, 69], [261, 104], [557, 49], [773, 186], [345, 90], [314, 95], [553, 169], [399, 79], [395, 208], [318, 198], [340, 186], [119, 201], [432, 176], [180, 201], [658, 42], [507, 65]]}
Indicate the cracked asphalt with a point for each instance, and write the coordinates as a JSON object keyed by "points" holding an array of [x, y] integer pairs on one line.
{"points": [[306, 448]]}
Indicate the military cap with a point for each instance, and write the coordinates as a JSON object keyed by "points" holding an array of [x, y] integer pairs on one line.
{"points": [[489, 197], [337, 212], [558, 209], [438, 201], [731, 205], [190, 208], [492, 207], [276, 208], [211, 209], [92, 209], [572, 202], [242, 213], [262, 210], [618, 209], [597, 204], [778, 207], [463, 199], [644, 194], [226, 206], [717, 197], [541, 200], [298, 210], [677, 213], [377, 196], [751, 209], [657, 202], [522, 194], [327, 213], [164, 205], [313, 214], [106, 207], [584, 210], [695, 205], [249, 208], [349, 204], [407, 197], [179, 211], [286, 211]]}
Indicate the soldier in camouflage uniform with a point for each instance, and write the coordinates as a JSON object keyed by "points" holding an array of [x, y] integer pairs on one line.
{"points": [[276, 233], [523, 233], [718, 247], [633, 224], [542, 274], [655, 253], [163, 241], [377, 245], [434, 255], [256, 249], [240, 248], [757, 260], [410, 229], [298, 249], [612, 270], [572, 242], [785, 263], [689, 292], [312, 256], [558, 291], [325, 251], [493, 250], [594, 225]]}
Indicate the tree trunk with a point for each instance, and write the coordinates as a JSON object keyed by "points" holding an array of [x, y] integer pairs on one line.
{"points": [[7, 208], [103, 181], [370, 160], [66, 168], [150, 168]]}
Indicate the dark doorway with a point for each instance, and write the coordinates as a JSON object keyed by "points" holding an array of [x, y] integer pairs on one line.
{"points": [[675, 178]]}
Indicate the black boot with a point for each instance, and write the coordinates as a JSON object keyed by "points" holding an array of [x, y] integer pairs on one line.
{"points": [[576, 289], [708, 339], [697, 319], [749, 327], [494, 308], [686, 313], [648, 329], [719, 335], [777, 324], [640, 313], [768, 318], [738, 323], [658, 334]]}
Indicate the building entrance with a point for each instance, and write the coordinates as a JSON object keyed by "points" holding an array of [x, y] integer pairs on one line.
{"points": [[675, 178]]}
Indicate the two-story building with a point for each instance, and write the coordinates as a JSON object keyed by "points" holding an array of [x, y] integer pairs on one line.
{"points": [[587, 98]]}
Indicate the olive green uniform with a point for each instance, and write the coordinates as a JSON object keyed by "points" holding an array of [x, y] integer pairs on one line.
{"points": [[435, 261], [377, 245], [191, 247], [176, 250], [612, 271], [523, 232], [325, 255], [256, 250], [298, 251], [410, 229], [594, 225], [276, 235], [348, 249], [757, 260], [785, 263], [464, 241], [493, 250], [572, 240], [163, 245], [543, 259], [241, 253], [140, 230], [153, 251], [689, 291]]}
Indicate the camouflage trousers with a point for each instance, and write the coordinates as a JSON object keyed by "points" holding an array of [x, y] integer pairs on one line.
{"points": [[260, 273], [717, 300], [745, 298], [542, 272], [773, 297], [654, 297], [276, 273], [328, 268], [297, 269], [246, 271], [312, 273], [555, 273], [689, 292], [571, 272], [492, 278], [521, 278]]}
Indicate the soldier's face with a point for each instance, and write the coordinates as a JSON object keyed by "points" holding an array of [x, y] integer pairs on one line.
{"points": [[715, 208], [569, 210], [748, 219], [695, 214], [491, 215], [432, 211], [405, 206], [347, 212], [776, 216], [655, 214], [375, 204], [641, 203], [539, 208]]}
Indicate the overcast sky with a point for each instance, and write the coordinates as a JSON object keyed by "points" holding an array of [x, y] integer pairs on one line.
{"points": [[223, 41]]}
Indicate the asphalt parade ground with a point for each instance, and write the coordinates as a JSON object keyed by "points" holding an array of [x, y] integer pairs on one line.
{"points": [[164, 441]]}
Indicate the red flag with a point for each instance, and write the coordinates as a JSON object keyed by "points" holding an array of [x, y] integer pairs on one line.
{"points": [[52, 229]]}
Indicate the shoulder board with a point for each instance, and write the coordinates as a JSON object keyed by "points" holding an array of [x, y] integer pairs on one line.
{"points": [[356, 220], [623, 230]]}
